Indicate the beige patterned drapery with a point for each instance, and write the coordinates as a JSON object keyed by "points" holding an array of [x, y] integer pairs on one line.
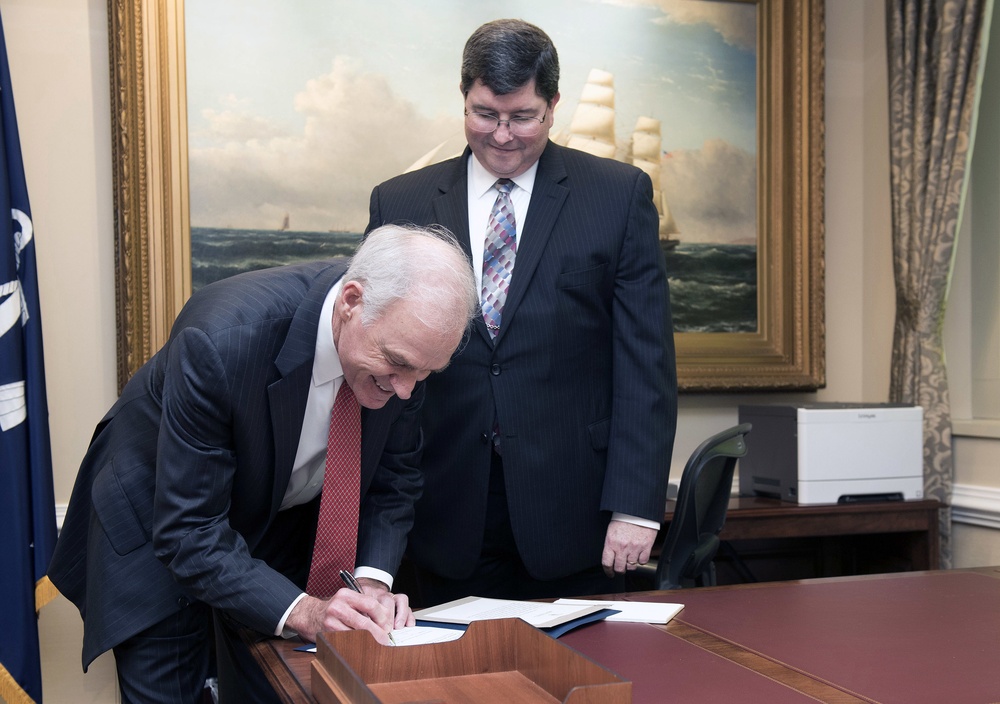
{"points": [[934, 49]]}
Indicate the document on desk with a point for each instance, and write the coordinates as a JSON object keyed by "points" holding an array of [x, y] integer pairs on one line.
{"points": [[556, 619], [411, 635], [446, 622], [632, 611], [422, 635]]}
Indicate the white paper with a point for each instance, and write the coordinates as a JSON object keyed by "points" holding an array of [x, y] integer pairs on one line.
{"points": [[632, 611], [422, 635], [473, 608], [414, 635]]}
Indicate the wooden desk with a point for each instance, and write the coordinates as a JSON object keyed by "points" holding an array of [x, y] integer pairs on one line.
{"points": [[908, 637], [892, 535]]}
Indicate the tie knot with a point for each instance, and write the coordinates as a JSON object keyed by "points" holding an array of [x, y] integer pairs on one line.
{"points": [[504, 185], [345, 406]]}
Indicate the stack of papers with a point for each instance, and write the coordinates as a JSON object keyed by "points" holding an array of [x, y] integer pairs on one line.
{"points": [[554, 619], [446, 622]]}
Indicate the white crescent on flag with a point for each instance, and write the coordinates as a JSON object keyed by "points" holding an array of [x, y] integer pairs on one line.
{"points": [[14, 309]]}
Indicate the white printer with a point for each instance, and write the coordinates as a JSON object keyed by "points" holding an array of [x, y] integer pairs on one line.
{"points": [[824, 453]]}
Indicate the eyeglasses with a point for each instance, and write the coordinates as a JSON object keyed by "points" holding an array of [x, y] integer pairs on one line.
{"points": [[519, 126]]}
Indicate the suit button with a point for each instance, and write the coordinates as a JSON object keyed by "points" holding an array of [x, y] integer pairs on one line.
{"points": [[183, 602], [484, 438], [495, 370]]}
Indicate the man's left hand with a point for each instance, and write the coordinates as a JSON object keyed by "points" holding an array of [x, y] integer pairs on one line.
{"points": [[626, 546]]}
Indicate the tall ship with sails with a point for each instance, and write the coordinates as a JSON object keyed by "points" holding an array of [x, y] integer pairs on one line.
{"points": [[646, 152], [592, 128]]}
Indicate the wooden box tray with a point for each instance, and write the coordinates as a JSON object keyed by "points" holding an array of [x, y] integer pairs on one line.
{"points": [[501, 661]]}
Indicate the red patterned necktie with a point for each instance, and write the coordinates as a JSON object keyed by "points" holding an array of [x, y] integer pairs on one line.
{"points": [[337, 528], [498, 256]]}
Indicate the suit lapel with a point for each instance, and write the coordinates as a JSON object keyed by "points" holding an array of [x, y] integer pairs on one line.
{"points": [[451, 209], [375, 425], [451, 206], [287, 396], [547, 199]]}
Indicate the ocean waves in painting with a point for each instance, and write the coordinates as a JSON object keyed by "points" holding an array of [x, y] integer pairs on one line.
{"points": [[713, 287], [217, 253]]}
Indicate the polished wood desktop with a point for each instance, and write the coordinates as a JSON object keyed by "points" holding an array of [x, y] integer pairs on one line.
{"points": [[902, 535], [908, 637]]}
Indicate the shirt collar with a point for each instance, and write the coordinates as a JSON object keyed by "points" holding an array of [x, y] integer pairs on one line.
{"points": [[482, 180], [326, 363]]}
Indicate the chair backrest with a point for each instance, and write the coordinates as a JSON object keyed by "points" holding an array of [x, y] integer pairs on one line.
{"points": [[702, 499]]}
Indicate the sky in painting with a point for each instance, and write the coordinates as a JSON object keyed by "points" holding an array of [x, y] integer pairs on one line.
{"points": [[302, 107]]}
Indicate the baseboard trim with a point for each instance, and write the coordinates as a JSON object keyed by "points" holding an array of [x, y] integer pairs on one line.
{"points": [[975, 505]]}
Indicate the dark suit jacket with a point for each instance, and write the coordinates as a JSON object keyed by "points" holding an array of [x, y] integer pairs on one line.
{"points": [[187, 471], [581, 376]]}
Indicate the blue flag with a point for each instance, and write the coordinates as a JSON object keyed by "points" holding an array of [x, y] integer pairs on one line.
{"points": [[27, 504]]}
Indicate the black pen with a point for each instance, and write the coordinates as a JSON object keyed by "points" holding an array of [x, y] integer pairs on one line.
{"points": [[353, 585], [350, 581]]}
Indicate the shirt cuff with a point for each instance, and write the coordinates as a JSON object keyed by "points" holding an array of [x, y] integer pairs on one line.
{"points": [[644, 522], [373, 573], [288, 632]]}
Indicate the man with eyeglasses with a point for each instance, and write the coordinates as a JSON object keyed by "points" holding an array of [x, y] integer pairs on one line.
{"points": [[548, 438]]}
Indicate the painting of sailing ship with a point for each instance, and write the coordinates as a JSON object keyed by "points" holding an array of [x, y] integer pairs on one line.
{"points": [[284, 152], [713, 285]]}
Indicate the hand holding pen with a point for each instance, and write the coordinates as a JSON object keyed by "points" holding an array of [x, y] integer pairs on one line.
{"points": [[354, 585], [377, 611]]}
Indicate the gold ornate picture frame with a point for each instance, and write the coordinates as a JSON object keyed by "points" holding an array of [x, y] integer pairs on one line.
{"points": [[152, 223]]}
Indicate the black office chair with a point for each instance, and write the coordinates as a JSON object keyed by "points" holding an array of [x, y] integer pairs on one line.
{"points": [[702, 499]]}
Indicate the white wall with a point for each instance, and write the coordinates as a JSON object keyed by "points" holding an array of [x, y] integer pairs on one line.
{"points": [[58, 51], [58, 55]]}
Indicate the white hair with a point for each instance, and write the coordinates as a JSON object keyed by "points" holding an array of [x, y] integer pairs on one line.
{"points": [[424, 265]]}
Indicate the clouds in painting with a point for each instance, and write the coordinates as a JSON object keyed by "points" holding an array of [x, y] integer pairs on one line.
{"points": [[312, 140], [731, 25], [257, 170], [724, 211]]}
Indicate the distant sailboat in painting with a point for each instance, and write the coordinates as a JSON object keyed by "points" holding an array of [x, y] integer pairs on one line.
{"points": [[284, 224]]}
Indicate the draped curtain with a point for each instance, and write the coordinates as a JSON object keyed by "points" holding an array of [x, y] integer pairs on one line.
{"points": [[934, 52]]}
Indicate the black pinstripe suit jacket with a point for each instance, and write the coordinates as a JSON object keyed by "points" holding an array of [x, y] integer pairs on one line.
{"points": [[581, 376], [187, 471]]}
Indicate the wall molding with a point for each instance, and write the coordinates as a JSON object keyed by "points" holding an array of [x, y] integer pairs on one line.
{"points": [[975, 505], [975, 428]]}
